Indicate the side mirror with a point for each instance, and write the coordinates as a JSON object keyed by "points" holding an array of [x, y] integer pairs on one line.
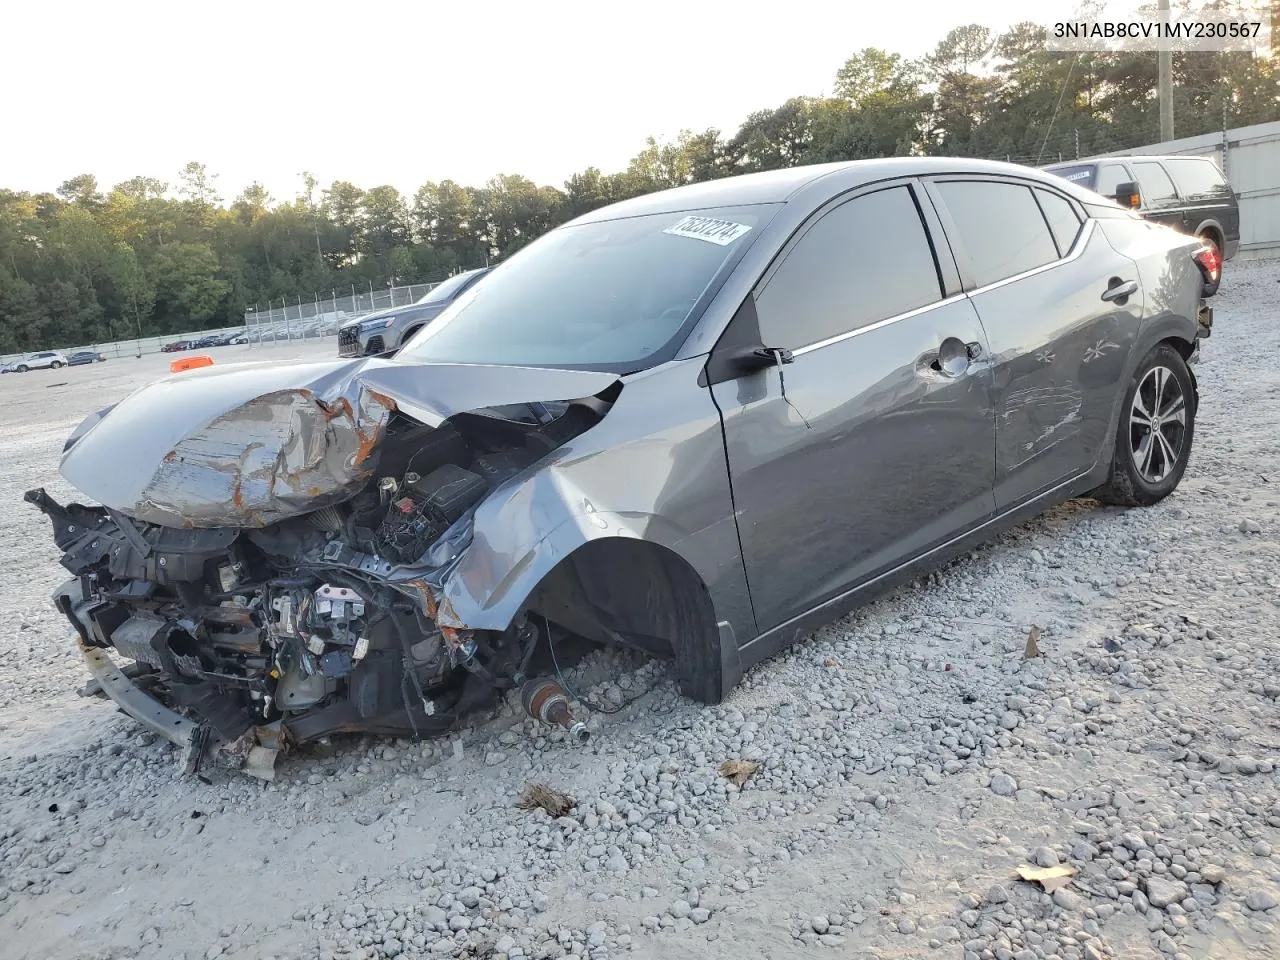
{"points": [[1127, 195]]}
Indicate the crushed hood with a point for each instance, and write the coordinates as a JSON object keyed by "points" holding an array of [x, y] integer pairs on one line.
{"points": [[254, 443]]}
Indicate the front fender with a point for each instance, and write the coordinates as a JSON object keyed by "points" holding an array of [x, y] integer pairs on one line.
{"points": [[517, 545], [653, 469]]}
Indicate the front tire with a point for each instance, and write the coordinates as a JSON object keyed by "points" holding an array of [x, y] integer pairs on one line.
{"points": [[1155, 433], [21, 369]]}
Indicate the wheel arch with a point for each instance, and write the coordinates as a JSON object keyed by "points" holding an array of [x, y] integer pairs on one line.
{"points": [[1171, 330], [1214, 228], [612, 586]]}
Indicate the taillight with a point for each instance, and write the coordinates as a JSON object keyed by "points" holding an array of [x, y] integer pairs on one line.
{"points": [[1209, 260]]}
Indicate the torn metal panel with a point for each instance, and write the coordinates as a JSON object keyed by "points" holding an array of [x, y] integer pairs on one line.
{"points": [[433, 392], [274, 457], [247, 445], [240, 445]]}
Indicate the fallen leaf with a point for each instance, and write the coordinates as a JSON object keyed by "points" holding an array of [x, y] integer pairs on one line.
{"points": [[1049, 878], [738, 772], [831, 662], [540, 796], [1033, 648]]}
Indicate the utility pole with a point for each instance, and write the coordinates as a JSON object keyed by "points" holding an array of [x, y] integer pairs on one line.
{"points": [[1165, 79]]}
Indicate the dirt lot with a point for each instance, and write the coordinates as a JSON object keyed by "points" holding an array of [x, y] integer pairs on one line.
{"points": [[911, 759]]}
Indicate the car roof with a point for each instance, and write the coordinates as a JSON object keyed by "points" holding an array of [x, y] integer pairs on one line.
{"points": [[779, 186]]}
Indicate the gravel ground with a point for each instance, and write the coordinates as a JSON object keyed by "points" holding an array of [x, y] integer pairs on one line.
{"points": [[911, 759]]}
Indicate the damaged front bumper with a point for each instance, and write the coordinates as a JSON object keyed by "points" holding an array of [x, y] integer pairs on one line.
{"points": [[279, 573]]}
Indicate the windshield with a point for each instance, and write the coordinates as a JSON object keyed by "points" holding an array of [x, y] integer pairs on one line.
{"points": [[614, 295], [445, 289], [1082, 175]]}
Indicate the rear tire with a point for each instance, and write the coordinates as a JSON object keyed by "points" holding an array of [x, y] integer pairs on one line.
{"points": [[55, 365], [1155, 433]]}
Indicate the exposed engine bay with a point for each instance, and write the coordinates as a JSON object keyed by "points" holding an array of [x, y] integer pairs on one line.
{"points": [[250, 639]]}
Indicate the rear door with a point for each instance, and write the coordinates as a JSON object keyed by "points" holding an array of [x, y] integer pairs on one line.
{"points": [[867, 449], [1037, 271]]}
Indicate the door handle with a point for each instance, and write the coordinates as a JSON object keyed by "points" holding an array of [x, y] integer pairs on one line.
{"points": [[953, 357], [1118, 291]]}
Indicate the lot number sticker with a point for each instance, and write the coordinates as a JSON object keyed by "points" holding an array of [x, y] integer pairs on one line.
{"points": [[722, 232]]}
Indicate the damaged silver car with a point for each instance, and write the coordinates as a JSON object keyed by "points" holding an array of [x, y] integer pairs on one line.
{"points": [[697, 424]]}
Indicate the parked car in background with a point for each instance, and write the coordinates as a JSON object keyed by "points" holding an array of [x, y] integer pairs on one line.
{"points": [[176, 346], [388, 330], [237, 339], [45, 359], [81, 357], [1189, 194], [698, 423]]}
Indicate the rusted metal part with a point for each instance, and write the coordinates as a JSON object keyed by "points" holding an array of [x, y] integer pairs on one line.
{"points": [[437, 609], [546, 701]]}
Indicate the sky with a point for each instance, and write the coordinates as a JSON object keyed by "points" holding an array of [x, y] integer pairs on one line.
{"points": [[378, 92]]}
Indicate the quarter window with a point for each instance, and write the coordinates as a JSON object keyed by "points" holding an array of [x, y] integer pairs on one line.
{"points": [[864, 261], [1064, 222], [1198, 179], [1000, 227]]}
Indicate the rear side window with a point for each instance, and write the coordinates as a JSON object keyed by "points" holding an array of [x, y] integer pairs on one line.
{"points": [[1063, 221], [1198, 179], [1153, 182], [867, 260], [1000, 226], [1082, 174], [1110, 176]]}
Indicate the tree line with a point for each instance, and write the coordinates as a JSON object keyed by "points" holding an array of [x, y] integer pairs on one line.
{"points": [[142, 258]]}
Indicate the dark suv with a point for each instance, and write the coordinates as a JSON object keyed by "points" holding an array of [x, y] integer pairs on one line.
{"points": [[386, 331], [1187, 193]]}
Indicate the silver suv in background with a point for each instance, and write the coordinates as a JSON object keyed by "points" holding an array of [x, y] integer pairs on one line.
{"points": [[388, 330], [46, 359]]}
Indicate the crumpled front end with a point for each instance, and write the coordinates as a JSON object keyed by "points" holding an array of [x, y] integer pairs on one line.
{"points": [[267, 564]]}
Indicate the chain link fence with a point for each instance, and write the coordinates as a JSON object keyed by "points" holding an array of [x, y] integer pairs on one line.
{"points": [[278, 323], [322, 315]]}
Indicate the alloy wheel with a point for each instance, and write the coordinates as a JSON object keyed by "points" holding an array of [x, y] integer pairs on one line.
{"points": [[1157, 424]]}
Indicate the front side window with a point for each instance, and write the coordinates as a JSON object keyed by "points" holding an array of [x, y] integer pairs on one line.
{"points": [[1000, 227], [1153, 183], [1110, 176], [864, 261], [443, 291], [612, 295]]}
